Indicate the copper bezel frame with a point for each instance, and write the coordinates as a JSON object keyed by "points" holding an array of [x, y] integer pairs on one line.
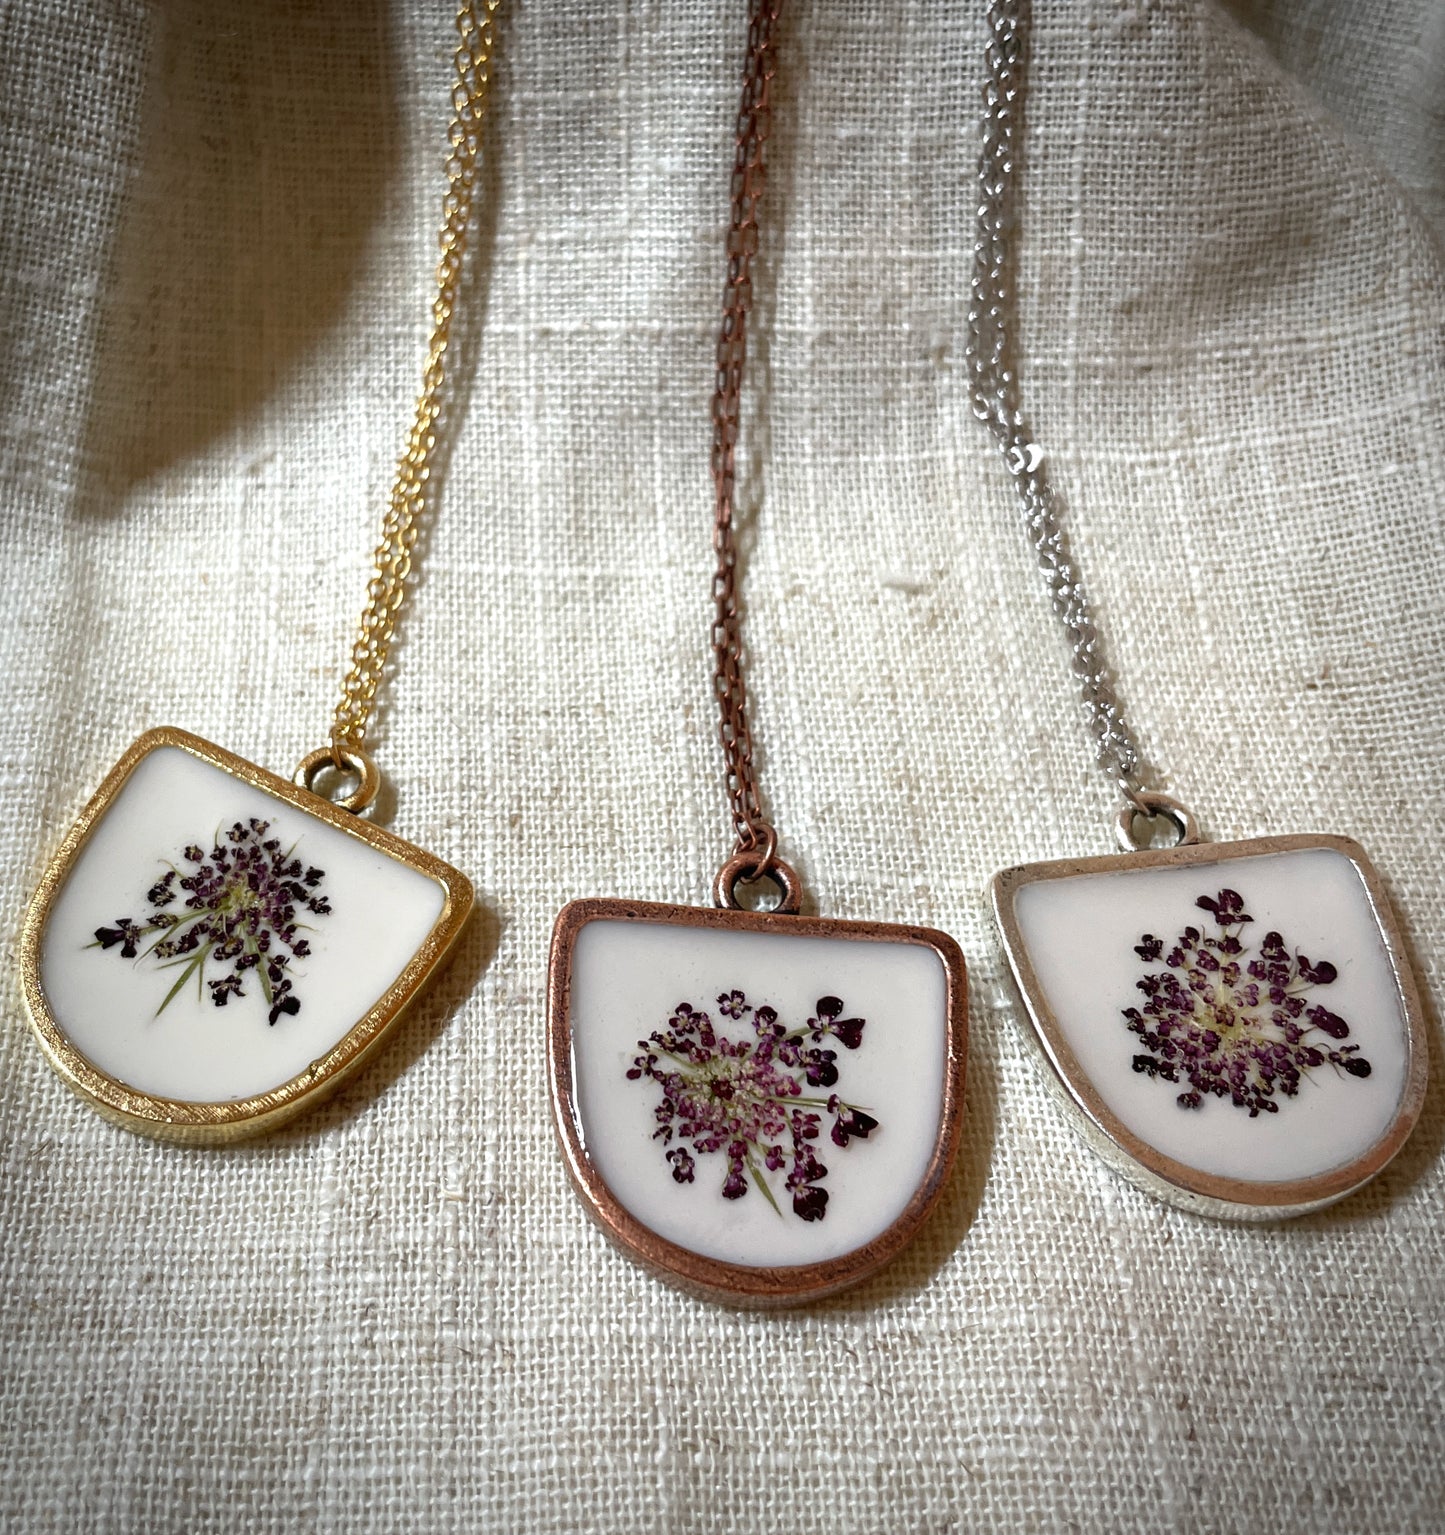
{"points": [[1126, 1153], [214, 1123], [738, 1284]]}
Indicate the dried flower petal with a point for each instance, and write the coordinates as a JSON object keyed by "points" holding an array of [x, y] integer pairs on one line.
{"points": [[238, 908]]}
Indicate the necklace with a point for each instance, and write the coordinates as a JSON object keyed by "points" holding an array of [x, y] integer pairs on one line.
{"points": [[214, 947], [759, 1106], [1234, 1026]]}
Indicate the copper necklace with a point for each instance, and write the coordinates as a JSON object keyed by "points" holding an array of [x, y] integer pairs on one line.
{"points": [[759, 1106]]}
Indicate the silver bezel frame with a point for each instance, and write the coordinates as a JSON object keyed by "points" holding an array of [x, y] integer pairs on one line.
{"points": [[1133, 1158]]}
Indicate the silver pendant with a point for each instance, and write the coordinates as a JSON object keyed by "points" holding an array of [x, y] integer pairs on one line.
{"points": [[1234, 1027], [212, 949], [759, 1107]]}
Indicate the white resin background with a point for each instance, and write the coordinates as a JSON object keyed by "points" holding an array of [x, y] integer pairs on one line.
{"points": [[194, 1050], [628, 977], [1080, 932]]}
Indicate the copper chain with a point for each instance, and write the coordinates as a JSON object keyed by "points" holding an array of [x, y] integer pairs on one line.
{"points": [[387, 590], [754, 834]]}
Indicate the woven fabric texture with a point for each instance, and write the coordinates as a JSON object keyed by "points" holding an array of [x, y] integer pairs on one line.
{"points": [[216, 227]]}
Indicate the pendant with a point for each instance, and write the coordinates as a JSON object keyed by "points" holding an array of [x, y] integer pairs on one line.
{"points": [[213, 948], [1234, 1027], [759, 1107]]}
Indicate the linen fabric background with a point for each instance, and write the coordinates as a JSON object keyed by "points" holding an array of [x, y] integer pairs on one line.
{"points": [[216, 230]]}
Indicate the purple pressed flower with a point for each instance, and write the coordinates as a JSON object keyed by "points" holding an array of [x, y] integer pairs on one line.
{"points": [[818, 1067], [237, 908], [850, 1122], [1226, 1036], [1317, 975], [810, 1203], [849, 1032], [290, 1006], [745, 1096], [228, 986], [125, 932]]}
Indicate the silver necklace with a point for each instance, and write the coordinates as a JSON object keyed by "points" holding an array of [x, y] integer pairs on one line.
{"points": [[1233, 1026]]}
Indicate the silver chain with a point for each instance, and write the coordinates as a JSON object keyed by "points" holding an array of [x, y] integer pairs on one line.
{"points": [[993, 382]]}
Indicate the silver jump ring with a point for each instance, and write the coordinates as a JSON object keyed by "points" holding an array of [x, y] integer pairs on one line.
{"points": [[1152, 806]]}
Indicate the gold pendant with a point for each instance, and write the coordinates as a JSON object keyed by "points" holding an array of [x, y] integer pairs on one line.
{"points": [[759, 1107], [213, 949], [1234, 1027]]}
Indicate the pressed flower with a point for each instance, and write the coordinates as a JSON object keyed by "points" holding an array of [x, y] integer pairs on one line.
{"points": [[1232, 1030], [125, 932], [238, 909], [744, 1097]]}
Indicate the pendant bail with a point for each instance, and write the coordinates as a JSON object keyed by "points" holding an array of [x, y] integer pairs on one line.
{"points": [[1152, 806], [344, 758]]}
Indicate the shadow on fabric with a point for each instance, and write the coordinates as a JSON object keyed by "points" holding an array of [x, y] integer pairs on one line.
{"points": [[266, 152]]}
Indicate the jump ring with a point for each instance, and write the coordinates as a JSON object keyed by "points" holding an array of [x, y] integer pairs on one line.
{"points": [[761, 854], [1151, 805], [742, 868], [345, 758]]}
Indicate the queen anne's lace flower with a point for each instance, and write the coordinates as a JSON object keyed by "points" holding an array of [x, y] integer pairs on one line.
{"points": [[1235, 1028], [745, 1097], [240, 906]]}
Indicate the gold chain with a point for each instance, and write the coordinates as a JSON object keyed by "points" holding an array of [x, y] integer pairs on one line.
{"points": [[386, 591]]}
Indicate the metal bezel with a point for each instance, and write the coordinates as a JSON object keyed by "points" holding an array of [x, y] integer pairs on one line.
{"points": [[713, 1279], [215, 1123], [1135, 1159]]}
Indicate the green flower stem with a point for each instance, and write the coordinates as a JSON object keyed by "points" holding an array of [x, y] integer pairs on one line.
{"points": [[192, 967], [762, 1183]]}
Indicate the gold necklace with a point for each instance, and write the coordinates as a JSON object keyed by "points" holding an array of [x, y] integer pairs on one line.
{"points": [[213, 947]]}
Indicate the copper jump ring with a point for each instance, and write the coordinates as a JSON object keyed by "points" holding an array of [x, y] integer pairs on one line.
{"points": [[748, 865]]}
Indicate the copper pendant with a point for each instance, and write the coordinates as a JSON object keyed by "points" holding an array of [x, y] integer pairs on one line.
{"points": [[761, 1108]]}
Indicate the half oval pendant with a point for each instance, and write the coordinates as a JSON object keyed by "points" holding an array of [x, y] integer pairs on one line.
{"points": [[213, 948], [760, 1108], [1234, 1027]]}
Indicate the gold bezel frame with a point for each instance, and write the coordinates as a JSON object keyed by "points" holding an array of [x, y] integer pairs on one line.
{"points": [[214, 1123], [711, 1278], [1135, 1159]]}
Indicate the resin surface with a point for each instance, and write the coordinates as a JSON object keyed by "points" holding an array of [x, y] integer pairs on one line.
{"points": [[761, 1098], [1242, 1017]]}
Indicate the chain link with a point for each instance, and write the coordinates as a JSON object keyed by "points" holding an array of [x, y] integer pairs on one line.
{"points": [[993, 382], [754, 120], [387, 590]]}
